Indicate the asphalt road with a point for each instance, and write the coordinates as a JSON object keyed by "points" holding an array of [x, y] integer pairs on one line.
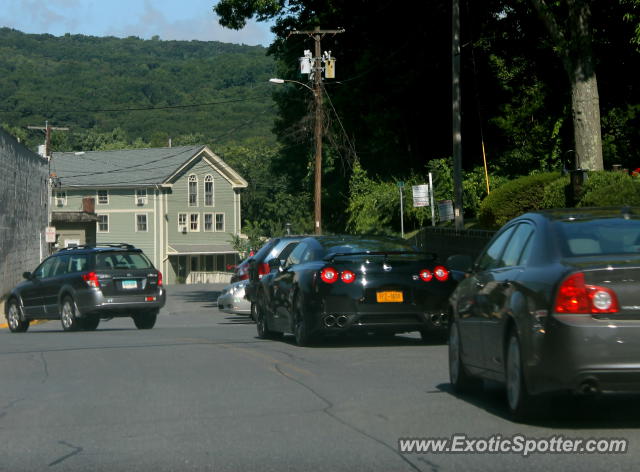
{"points": [[201, 392]]}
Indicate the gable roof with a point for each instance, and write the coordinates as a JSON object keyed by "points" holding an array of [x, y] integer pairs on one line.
{"points": [[134, 167]]}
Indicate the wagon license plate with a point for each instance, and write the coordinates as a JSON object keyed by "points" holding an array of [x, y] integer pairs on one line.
{"points": [[129, 284], [389, 297]]}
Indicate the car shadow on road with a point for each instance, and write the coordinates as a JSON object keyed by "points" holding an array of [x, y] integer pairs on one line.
{"points": [[618, 411], [368, 340], [231, 319], [199, 296]]}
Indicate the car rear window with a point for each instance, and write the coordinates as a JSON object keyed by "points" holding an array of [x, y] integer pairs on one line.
{"points": [[122, 260], [599, 236]]}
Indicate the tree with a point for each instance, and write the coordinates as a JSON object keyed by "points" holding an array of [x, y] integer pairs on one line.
{"points": [[569, 24]]}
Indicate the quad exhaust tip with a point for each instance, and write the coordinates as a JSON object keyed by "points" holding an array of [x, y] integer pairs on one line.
{"points": [[339, 321]]}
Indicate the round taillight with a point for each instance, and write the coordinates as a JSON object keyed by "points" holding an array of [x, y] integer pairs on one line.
{"points": [[347, 276], [441, 273], [329, 275], [426, 275]]}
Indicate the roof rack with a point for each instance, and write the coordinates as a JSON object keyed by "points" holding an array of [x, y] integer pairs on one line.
{"points": [[93, 246]]}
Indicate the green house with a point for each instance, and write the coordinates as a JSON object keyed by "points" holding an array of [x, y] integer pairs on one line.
{"points": [[180, 205]]}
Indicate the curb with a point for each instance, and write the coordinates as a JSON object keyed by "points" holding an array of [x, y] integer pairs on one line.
{"points": [[33, 323]]}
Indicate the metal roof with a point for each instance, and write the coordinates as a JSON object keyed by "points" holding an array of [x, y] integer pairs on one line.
{"points": [[132, 167]]}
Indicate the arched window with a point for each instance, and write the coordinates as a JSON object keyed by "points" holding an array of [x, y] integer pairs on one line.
{"points": [[193, 190], [208, 190]]}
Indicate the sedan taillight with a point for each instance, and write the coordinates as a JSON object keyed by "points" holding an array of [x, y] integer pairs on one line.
{"points": [[159, 278], [576, 297], [92, 279]]}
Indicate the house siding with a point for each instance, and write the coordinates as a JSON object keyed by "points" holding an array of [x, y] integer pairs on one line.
{"points": [[178, 202]]}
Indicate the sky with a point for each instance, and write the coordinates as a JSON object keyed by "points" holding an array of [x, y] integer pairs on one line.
{"points": [[169, 19]]}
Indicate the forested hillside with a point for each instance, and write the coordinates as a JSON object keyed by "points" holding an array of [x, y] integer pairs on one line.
{"points": [[145, 90]]}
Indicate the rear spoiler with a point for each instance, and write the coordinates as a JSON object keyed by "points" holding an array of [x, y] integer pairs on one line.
{"points": [[331, 256]]}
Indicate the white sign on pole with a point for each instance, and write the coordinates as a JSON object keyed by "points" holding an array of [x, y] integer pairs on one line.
{"points": [[50, 234], [420, 195]]}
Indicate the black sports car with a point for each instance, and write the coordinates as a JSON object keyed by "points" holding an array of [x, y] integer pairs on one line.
{"points": [[334, 284]]}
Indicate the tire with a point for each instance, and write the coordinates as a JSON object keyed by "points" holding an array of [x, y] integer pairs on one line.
{"points": [[68, 318], [301, 330], [145, 320], [14, 320], [254, 315], [460, 380], [262, 320], [90, 324], [521, 404]]}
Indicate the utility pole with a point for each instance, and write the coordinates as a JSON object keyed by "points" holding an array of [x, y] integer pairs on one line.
{"points": [[317, 34], [456, 114], [47, 128]]}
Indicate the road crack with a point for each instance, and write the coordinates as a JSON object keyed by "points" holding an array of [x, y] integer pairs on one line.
{"points": [[76, 450], [329, 406]]}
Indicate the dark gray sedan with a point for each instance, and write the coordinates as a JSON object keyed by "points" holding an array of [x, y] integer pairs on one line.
{"points": [[552, 304]]}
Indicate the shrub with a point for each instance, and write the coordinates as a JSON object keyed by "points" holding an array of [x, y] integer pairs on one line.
{"points": [[555, 193], [514, 198], [606, 188]]}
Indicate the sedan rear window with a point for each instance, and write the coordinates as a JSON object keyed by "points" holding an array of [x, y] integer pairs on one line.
{"points": [[600, 236], [122, 260]]}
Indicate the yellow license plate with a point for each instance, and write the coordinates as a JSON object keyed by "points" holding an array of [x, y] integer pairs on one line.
{"points": [[389, 297]]}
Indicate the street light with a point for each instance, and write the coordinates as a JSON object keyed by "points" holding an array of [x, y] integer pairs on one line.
{"points": [[318, 139]]}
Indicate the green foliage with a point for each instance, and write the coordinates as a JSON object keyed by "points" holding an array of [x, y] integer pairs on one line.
{"points": [[514, 198], [214, 90], [607, 188], [555, 193]]}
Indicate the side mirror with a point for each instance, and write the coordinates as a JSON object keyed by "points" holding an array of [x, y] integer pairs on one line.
{"points": [[460, 262], [27, 275]]}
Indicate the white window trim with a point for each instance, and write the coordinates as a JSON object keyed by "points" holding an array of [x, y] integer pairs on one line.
{"points": [[204, 222], [209, 179], [98, 224], [61, 201], [197, 230], [143, 198], [224, 223], [146, 219], [186, 222], [98, 197], [190, 179]]}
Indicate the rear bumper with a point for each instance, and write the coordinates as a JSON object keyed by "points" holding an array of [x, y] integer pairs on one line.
{"points": [[92, 303], [337, 322], [584, 355]]}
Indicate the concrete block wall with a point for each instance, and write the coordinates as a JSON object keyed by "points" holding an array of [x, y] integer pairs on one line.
{"points": [[23, 211]]}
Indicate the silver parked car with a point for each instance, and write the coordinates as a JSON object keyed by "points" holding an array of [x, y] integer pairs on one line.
{"points": [[232, 300]]}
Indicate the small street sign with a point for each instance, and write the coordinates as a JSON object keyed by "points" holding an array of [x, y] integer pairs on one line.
{"points": [[420, 195], [50, 234]]}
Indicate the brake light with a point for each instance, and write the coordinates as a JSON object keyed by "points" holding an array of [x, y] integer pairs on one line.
{"points": [[426, 275], [347, 276], [159, 278], [263, 269], [576, 297], [92, 279], [329, 275], [441, 273]]}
